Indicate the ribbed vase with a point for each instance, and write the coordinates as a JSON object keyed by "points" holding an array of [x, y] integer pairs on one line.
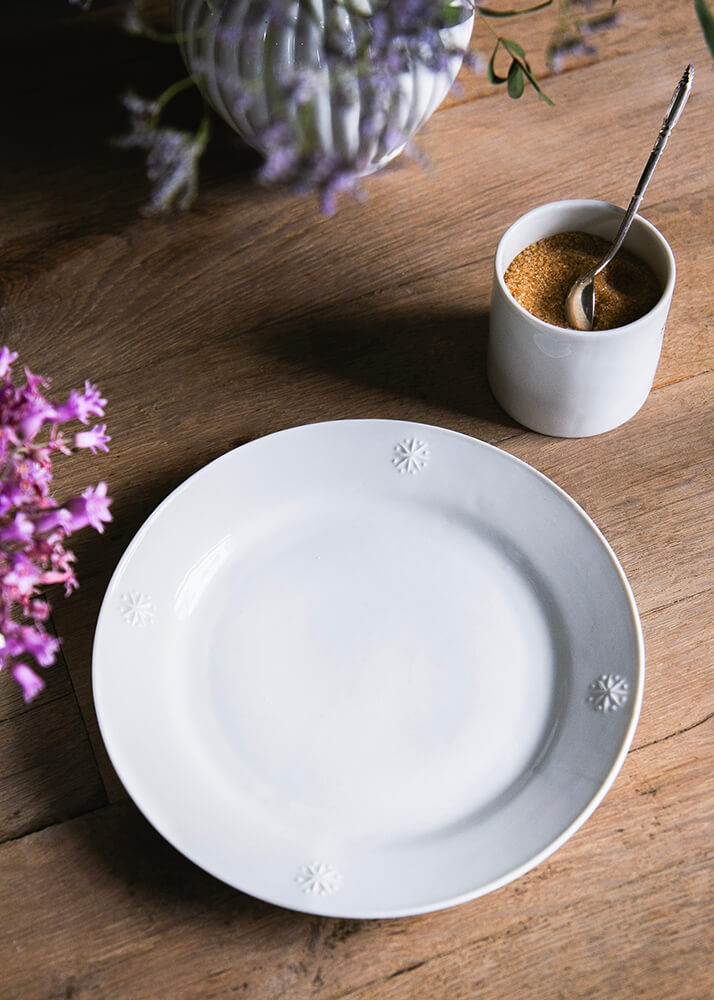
{"points": [[244, 69]]}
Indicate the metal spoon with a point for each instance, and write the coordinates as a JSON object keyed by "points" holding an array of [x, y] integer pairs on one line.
{"points": [[580, 303]]}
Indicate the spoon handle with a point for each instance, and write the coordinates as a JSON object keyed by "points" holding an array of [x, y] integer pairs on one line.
{"points": [[676, 106]]}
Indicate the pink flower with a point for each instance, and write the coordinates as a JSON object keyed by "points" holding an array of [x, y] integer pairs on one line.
{"points": [[33, 526], [57, 441], [39, 610], [20, 580], [41, 646], [91, 508], [80, 406], [95, 440], [34, 384], [28, 482], [28, 680], [93, 403], [31, 425], [20, 529], [6, 359], [52, 519]]}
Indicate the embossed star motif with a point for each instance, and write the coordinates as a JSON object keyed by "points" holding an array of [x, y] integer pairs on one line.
{"points": [[608, 692], [318, 879], [410, 456], [137, 609]]}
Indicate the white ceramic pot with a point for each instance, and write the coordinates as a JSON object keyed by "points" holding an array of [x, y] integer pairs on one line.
{"points": [[571, 383], [233, 61]]}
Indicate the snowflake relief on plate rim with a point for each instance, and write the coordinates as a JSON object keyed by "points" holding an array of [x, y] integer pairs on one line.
{"points": [[318, 879], [410, 456], [608, 693], [137, 609]]}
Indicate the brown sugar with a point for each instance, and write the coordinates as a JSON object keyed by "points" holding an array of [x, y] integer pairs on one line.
{"points": [[541, 276]]}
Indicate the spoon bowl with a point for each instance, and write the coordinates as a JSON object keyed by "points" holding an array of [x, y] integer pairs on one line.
{"points": [[580, 303]]}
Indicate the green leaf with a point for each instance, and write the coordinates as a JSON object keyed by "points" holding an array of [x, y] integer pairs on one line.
{"points": [[513, 47], [493, 76], [706, 19], [490, 12], [516, 83], [534, 83], [518, 72]]}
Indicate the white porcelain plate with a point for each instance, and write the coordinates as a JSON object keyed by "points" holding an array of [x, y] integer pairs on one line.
{"points": [[368, 668]]}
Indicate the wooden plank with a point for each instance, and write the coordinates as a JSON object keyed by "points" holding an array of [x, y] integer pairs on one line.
{"points": [[688, 346], [679, 676], [654, 503], [11, 702], [48, 771], [101, 905], [47, 768]]}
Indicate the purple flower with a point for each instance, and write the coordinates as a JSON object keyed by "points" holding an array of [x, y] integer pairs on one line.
{"points": [[95, 440], [28, 680], [39, 610], [33, 526], [41, 646], [32, 639], [571, 37], [6, 359], [19, 529], [92, 507], [50, 520], [81, 405], [172, 168], [38, 415], [21, 577], [172, 155]]}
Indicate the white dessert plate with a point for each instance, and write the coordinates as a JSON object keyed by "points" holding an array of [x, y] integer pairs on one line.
{"points": [[368, 668]]}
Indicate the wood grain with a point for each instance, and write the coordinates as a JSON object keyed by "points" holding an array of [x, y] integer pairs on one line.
{"points": [[252, 313], [48, 771], [120, 913]]}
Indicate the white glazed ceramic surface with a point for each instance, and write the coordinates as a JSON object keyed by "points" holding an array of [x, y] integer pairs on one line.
{"points": [[571, 383], [368, 668], [231, 60]]}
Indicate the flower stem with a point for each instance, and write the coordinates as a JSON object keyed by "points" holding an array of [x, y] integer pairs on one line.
{"points": [[173, 91], [203, 134]]}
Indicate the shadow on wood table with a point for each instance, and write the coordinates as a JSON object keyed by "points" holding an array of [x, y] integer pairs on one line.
{"points": [[435, 359], [65, 110]]}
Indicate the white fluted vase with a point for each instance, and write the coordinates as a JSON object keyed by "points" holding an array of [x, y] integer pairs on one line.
{"points": [[244, 55]]}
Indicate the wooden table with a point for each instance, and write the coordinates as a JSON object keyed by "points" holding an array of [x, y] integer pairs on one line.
{"points": [[253, 313]]}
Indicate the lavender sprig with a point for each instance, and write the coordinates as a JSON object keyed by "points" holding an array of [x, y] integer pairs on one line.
{"points": [[33, 527], [172, 155], [367, 45], [579, 22]]}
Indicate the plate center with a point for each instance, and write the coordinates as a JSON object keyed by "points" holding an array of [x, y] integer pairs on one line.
{"points": [[380, 673]]}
